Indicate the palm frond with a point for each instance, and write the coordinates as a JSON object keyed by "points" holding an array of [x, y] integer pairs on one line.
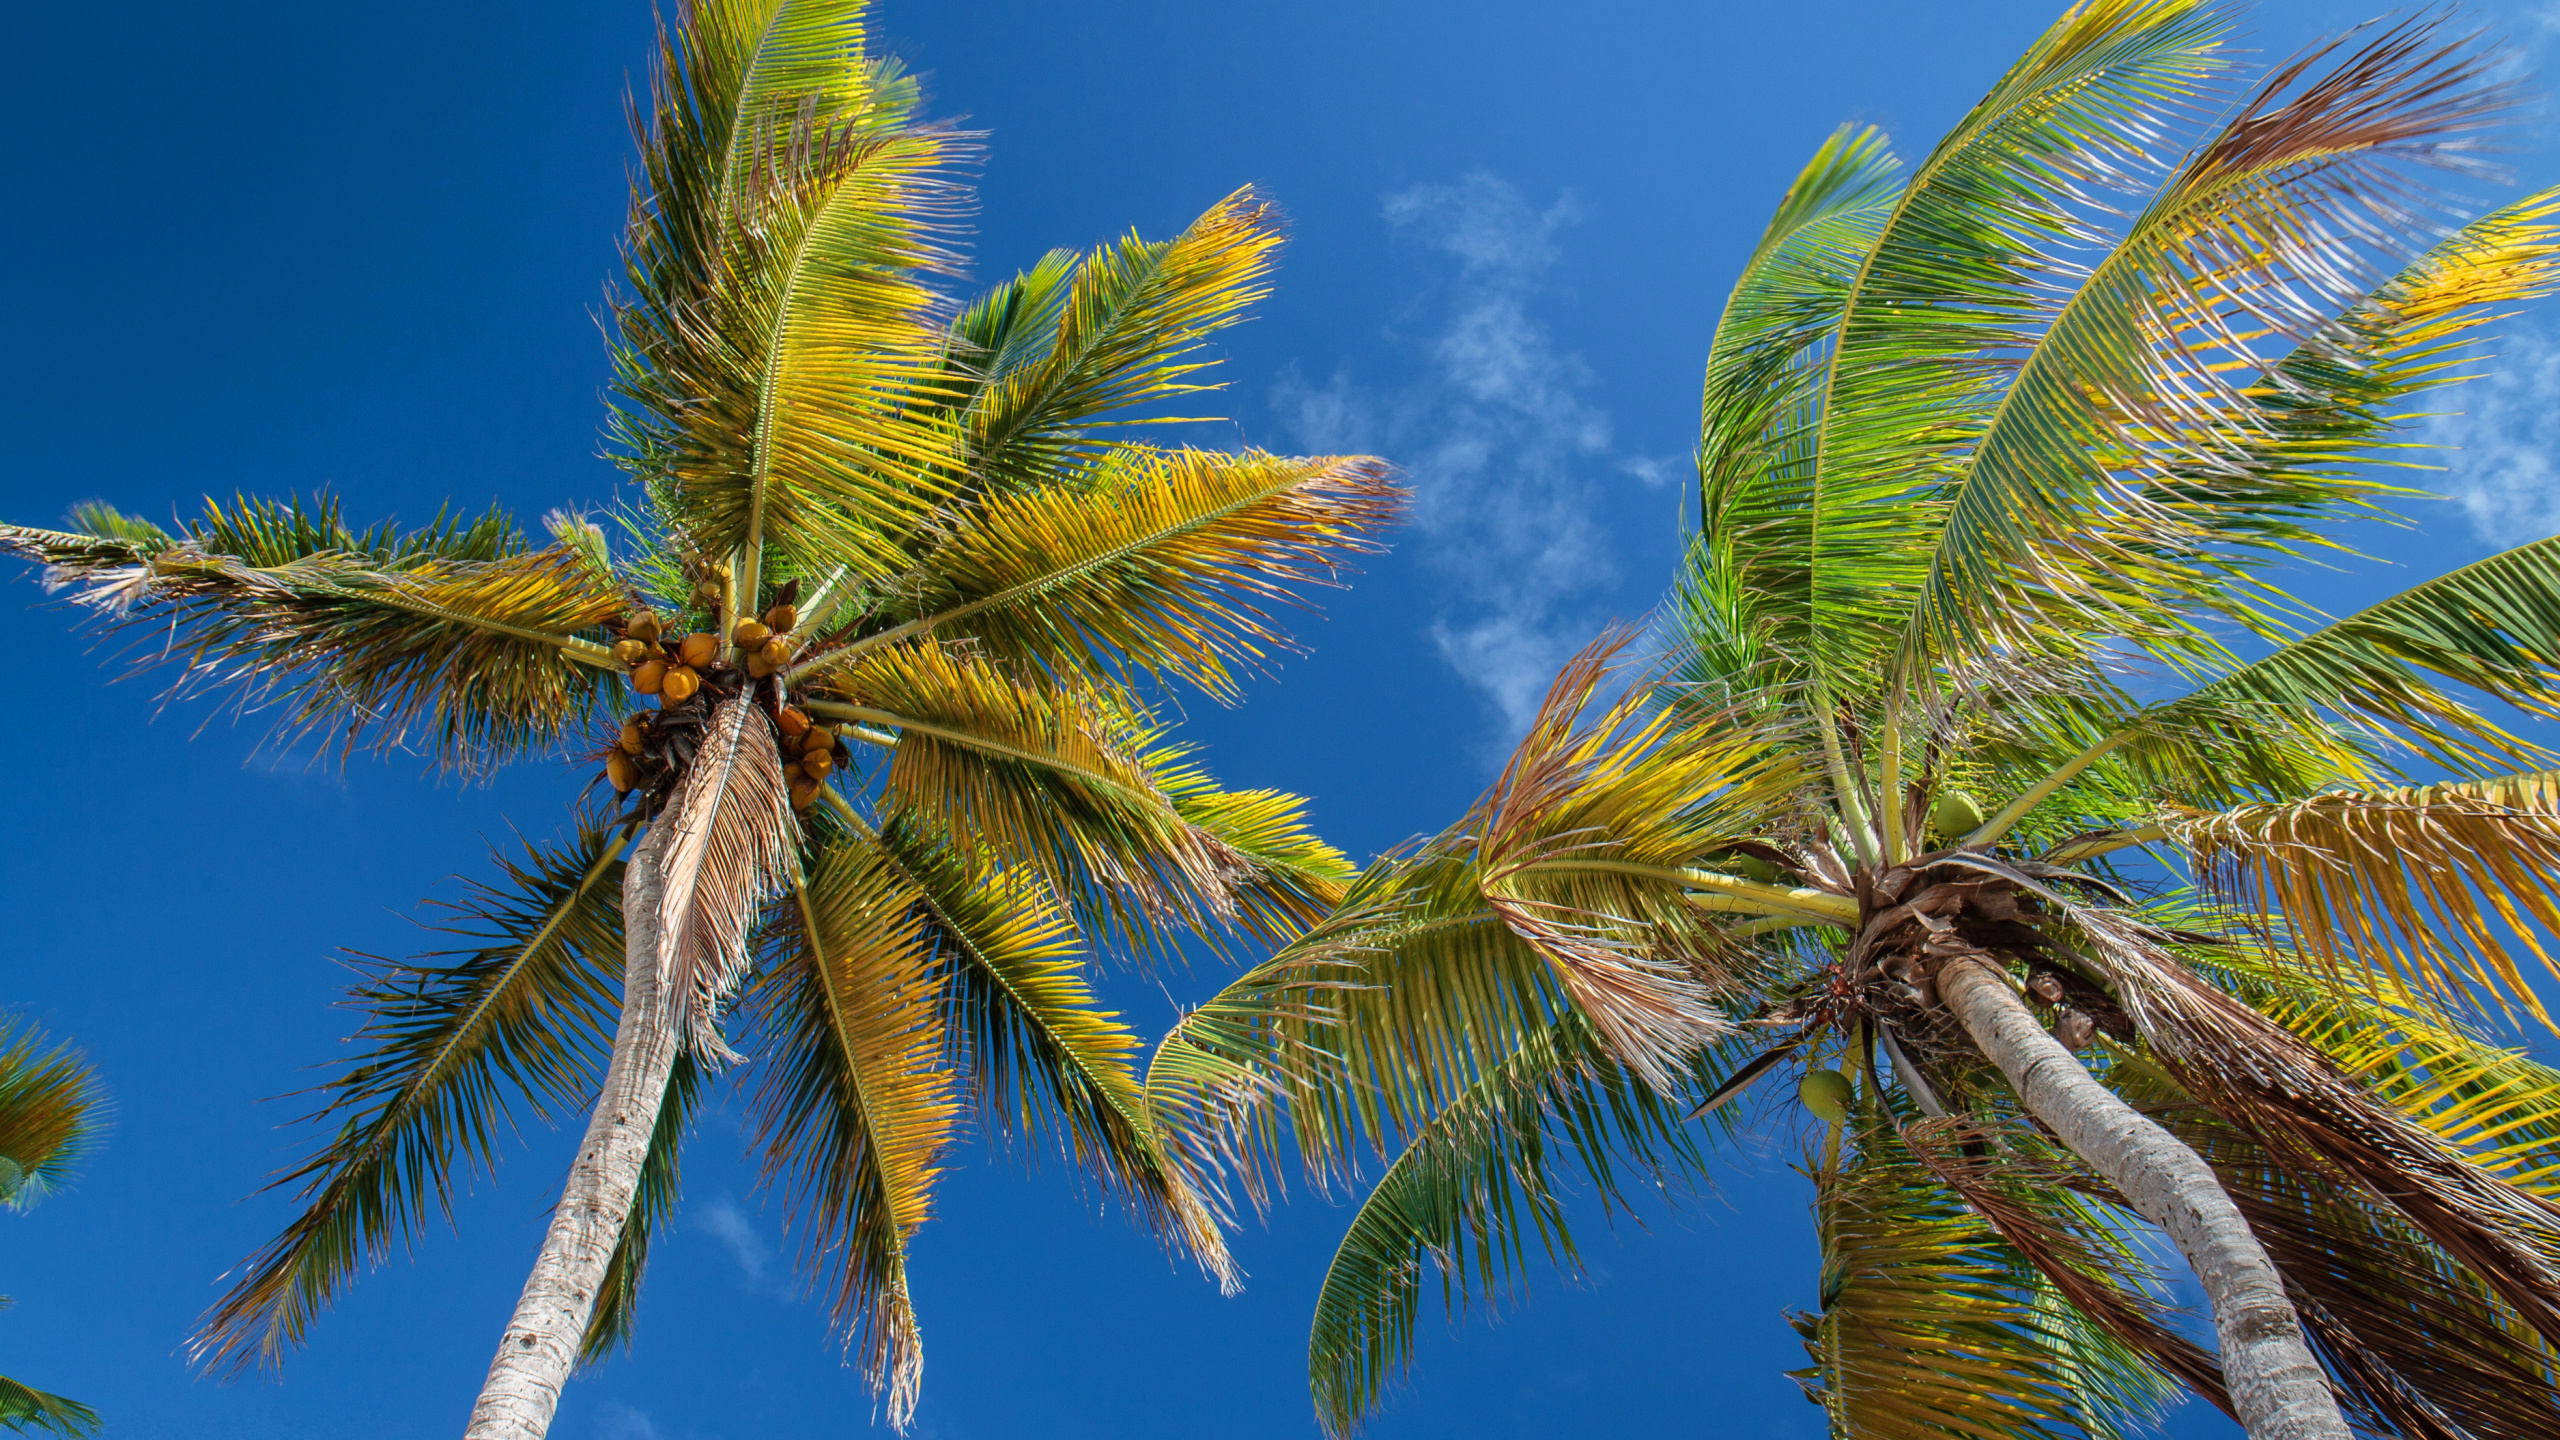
{"points": [[778, 328], [1126, 330], [1926, 1329], [1160, 563], [51, 1111], [1473, 1186], [653, 1203], [25, 1409], [856, 1106], [1040, 1053], [1047, 772], [450, 1041], [457, 636], [2275, 724], [2437, 887], [1764, 374], [1956, 283], [730, 852], [2125, 474]]}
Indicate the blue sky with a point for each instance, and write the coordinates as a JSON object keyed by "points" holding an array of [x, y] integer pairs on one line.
{"points": [[291, 246]]}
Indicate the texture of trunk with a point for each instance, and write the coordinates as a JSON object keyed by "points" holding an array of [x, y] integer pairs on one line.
{"points": [[2276, 1386], [540, 1347]]}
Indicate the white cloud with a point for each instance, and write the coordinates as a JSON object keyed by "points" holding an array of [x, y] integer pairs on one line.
{"points": [[2503, 443], [733, 1228], [1497, 440], [618, 1421]]}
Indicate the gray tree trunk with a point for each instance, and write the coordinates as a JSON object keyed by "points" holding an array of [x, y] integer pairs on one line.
{"points": [[2276, 1386], [540, 1347]]}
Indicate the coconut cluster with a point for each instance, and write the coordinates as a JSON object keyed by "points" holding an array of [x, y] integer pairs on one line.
{"points": [[690, 674]]}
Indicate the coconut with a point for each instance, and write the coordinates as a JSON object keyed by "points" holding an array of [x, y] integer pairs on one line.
{"points": [[650, 677], [817, 763], [780, 618], [749, 634], [632, 652], [803, 791], [777, 653], [634, 739], [643, 627], [793, 722], [619, 769], [1954, 815], [758, 667], [699, 650], [1826, 1093], [819, 738], [680, 686]]}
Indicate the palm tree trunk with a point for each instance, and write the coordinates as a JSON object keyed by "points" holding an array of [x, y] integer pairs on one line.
{"points": [[540, 1346], [2276, 1386]]}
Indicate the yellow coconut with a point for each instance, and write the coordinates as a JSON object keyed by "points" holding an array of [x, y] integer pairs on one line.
{"points": [[699, 650], [632, 652], [650, 677], [817, 763], [634, 739], [819, 738], [619, 769], [749, 634], [759, 666], [777, 653], [644, 627], [803, 791], [781, 618], [680, 686]]}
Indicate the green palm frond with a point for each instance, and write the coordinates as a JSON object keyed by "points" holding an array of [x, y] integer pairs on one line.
{"points": [[27, 1410], [1040, 1053], [457, 636], [2124, 474], [51, 1111], [1124, 327], [618, 1302], [2492, 626], [1472, 1188], [1755, 452], [448, 1048], [1926, 1329], [1161, 562], [856, 1107], [1955, 277]]}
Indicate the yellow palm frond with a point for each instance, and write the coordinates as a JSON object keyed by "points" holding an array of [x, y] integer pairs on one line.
{"points": [[2434, 888], [1161, 562], [1040, 1052], [856, 1107]]}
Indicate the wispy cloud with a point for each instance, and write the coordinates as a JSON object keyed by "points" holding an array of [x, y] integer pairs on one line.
{"points": [[1500, 443], [736, 1230], [2502, 454], [617, 1421]]}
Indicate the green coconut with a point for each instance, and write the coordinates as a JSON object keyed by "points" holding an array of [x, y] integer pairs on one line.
{"points": [[1827, 1093]]}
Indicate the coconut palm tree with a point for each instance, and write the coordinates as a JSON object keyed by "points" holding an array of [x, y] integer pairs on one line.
{"points": [[891, 598], [50, 1114], [1998, 454]]}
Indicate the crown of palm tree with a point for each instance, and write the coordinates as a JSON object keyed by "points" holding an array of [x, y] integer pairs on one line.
{"points": [[1998, 454], [898, 590]]}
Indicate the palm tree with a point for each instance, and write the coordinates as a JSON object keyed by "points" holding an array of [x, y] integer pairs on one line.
{"points": [[1998, 453], [50, 1113], [899, 596]]}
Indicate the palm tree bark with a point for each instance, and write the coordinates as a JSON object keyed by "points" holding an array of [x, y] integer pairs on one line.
{"points": [[540, 1347], [2278, 1389]]}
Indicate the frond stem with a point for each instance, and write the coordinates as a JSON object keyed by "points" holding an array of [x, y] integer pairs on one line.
{"points": [[2043, 790]]}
